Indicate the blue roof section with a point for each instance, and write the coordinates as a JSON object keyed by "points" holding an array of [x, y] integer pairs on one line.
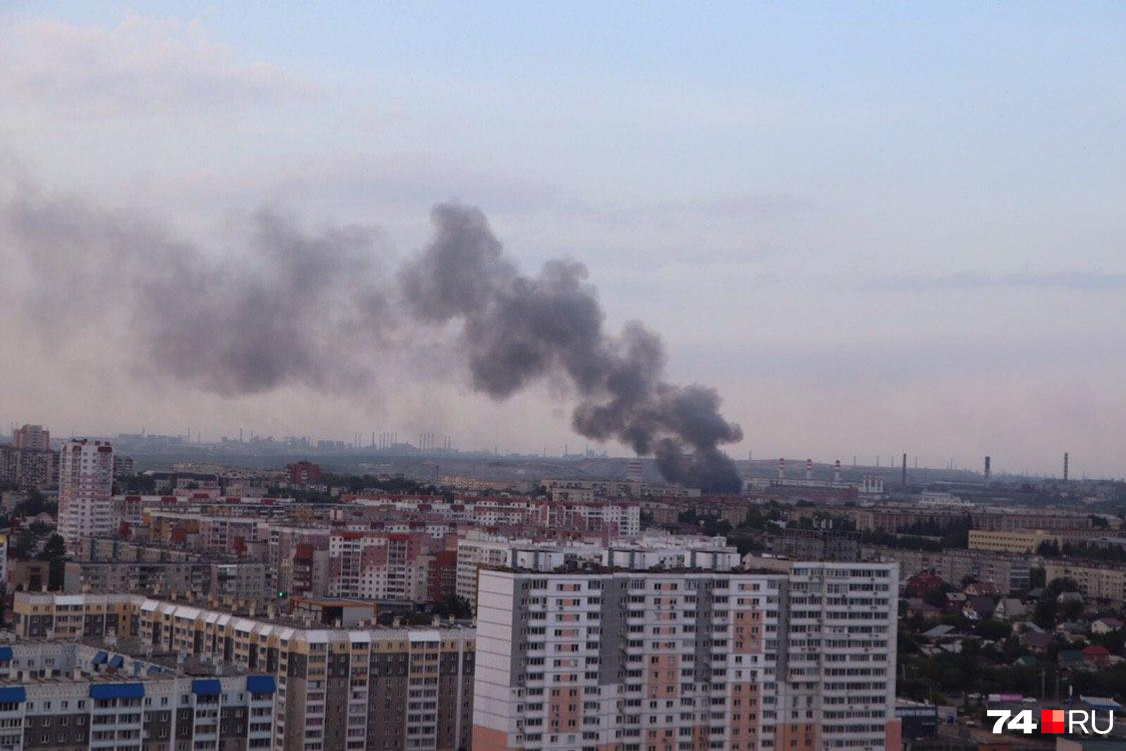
{"points": [[261, 684], [153, 670], [137, 668], [5, 654], [117, 691], [206, 687], [116, 661], [100, 658], [13, 694]]}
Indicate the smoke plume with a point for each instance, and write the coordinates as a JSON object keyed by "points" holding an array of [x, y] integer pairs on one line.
{"points": [[517, 329], [316, 309]]}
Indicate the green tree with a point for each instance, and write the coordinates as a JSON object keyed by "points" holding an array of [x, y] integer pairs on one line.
{"points": [[54, 551]]}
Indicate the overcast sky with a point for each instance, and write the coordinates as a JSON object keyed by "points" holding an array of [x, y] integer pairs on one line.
{"points": [[876, 229]]}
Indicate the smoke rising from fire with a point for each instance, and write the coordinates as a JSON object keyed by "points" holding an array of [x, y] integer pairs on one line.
{"points": [[294, 307]]}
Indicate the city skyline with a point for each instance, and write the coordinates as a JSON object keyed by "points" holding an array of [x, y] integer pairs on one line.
{"points": [[864, 240]]}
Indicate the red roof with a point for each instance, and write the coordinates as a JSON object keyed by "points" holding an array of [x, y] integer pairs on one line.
{"points": [[1096, 650]]}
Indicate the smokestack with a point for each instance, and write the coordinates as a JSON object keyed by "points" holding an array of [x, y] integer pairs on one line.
{"points": [[903, 473], [808, 469], [988, 470], [837, 471], [1066, 458], [782, 469]]}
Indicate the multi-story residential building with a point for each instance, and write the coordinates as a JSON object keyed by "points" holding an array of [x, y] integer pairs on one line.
{"points": [[619, 518], [379, 566], [794, 656], [28, 461], [245, 580], [585, 491], [814, 545], [1002, 520], [477, 550], [28, 468], [166, 579], [1097, 582], [123, 466], [899, 518], [303, 473], [77, 696], [31, 438], [1008, 573], [1009, 541], [85, 489], [357, 689]]}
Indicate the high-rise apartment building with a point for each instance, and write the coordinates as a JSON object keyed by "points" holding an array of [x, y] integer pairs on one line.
{"points": [[792, 657], [85, 489], [32, 438]]}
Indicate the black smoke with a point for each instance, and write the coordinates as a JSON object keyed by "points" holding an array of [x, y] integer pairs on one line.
{"points": [[293, 307], [517, 329]]}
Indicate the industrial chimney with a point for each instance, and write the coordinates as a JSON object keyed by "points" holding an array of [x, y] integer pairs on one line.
{"points": [[1066, 457], [837, 471], [808, 469], [988, 470], [782, 468], [903, 473]]}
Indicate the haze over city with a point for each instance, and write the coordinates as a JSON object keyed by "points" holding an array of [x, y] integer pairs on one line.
{"points": [[870, 233]]}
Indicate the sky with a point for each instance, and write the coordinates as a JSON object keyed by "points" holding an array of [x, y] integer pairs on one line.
{"points": [[875, 229]]}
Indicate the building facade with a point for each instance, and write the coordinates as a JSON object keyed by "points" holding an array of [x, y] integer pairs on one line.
{"points": [[358, 689], [32, 438], [800, 657], [72, 697], [85, 490], [1107, 583]]}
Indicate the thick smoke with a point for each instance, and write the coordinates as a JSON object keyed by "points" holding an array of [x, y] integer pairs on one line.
{"points": [[288, 308], [517, 329], [319, 309]]}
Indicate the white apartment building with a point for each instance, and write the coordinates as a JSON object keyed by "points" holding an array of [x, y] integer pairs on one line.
{"points": [[798, 658], [379, 566], [85, 489], [477, 550]]}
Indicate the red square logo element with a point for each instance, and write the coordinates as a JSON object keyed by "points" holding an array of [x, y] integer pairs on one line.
{"points": [[1052, 720]]}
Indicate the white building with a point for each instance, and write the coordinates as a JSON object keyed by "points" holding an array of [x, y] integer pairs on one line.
{"points": [[85, 489], [800, 657], [477, 550]]}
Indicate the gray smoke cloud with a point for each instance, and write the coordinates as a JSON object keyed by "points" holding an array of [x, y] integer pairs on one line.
{"points": [[518, 329], [317, 309], [290, 307]]}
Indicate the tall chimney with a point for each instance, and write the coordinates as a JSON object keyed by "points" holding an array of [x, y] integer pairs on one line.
{"points": [[837, 471], [1066, 457], [781, 468], [903, 473], [808, 469], [988, 470]]}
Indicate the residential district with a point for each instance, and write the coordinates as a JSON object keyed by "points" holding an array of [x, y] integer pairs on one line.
{"points": [[193, 604]]}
